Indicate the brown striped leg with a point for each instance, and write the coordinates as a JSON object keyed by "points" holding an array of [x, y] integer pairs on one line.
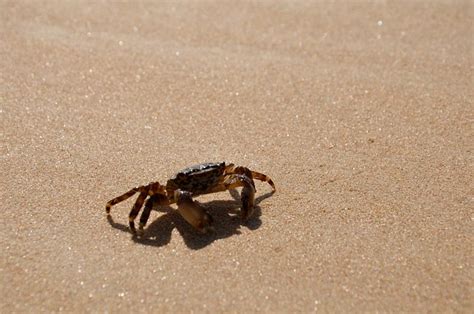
{"points": [[193, 213], [248, 201], [264, 178], [119, 199], [245, 172], [154, 199], [135, 210], [146, 212], [247, 195]]}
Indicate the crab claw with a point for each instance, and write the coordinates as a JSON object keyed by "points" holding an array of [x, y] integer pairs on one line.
{"points": [[193, 213], [205, 226]]}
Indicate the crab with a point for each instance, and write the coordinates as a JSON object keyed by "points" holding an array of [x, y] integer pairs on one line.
{"points": [[191, 182]]}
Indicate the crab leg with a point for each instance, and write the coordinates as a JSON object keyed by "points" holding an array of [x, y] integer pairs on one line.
{"points": [[251, 174], [154, 199], [264, 178], [247, 195], [120, 198], [146, 211], [135, 210]]}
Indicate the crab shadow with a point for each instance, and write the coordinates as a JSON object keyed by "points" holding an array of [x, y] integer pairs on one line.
{"points": [[227, 223]]}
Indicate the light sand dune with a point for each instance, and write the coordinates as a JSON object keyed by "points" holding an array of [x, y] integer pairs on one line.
{"points": [[361, 113]]}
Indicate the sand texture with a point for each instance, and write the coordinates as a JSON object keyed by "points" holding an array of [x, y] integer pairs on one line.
{"points": [[361, 112]]}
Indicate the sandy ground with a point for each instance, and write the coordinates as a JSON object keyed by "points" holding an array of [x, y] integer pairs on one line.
{"points": [[362, 114]]}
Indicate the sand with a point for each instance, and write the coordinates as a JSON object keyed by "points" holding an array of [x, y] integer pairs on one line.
{"points": [[362, 114]]}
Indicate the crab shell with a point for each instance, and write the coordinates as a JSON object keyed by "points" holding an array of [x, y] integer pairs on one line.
{"points": [[198, 179]]}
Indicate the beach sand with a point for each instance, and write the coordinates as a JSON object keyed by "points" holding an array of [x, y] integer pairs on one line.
{"points": [[361, 113]]}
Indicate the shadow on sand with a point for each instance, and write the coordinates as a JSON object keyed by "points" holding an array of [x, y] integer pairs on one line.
{"points": [[227, 222]]}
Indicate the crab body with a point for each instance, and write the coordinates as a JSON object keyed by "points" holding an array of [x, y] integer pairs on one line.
{"points": [[196, 180]]}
